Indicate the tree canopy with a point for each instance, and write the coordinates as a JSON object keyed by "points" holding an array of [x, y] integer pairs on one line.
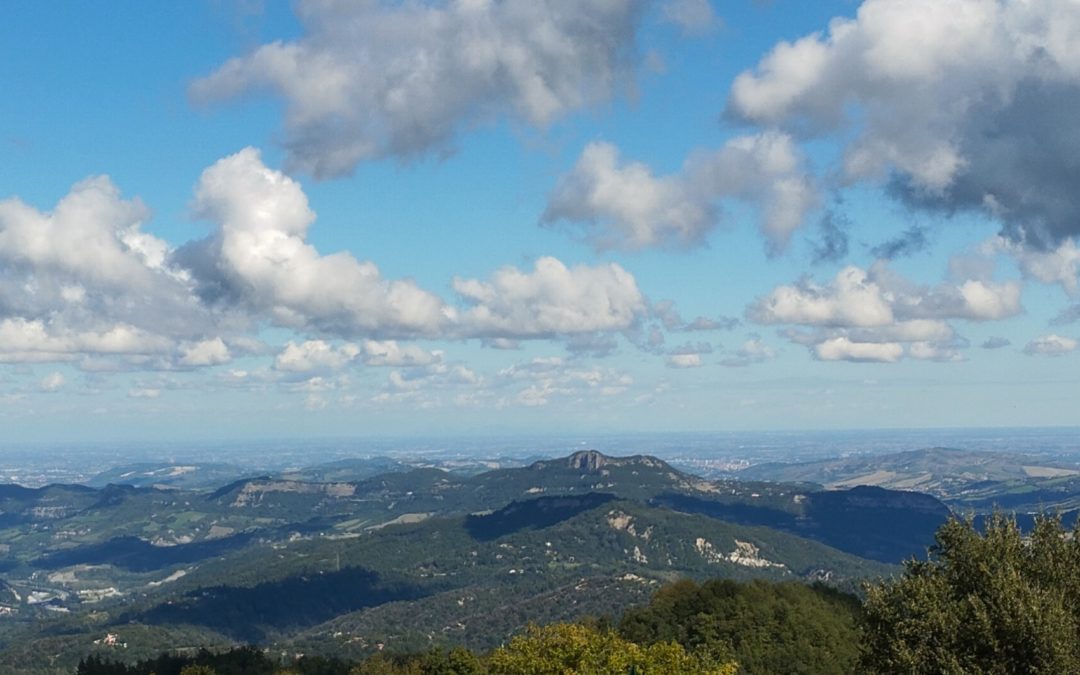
{"points": [[983, 602]]}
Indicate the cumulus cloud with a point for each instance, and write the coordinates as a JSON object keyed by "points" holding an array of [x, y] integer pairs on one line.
{"points": [[84, 279], [314, 355], [688, 355], [258, 258], [684, 361], [1060, 265], [371, 79], [843, 349], [85, 284], [625, 206], [965, 104], [551, 300], [866, 314], [204, 353], [852, 299], [876, 297], [1051, 345], [22, 340]]}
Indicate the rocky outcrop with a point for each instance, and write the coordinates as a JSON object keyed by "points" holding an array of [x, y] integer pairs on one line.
{"points": [[587, 460]]}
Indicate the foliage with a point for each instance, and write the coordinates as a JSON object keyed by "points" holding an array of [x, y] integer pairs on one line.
{"points": [[238, 661], [457, 661], [766, 627], [991, 602], [562, 649]]}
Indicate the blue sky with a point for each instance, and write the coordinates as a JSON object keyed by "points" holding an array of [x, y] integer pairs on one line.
{"points": [[243, 219]]}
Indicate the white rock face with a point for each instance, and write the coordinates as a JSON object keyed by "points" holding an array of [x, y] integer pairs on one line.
{"points": [[745, 554]]}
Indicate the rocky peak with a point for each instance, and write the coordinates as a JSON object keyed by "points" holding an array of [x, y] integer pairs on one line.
{"points": [[587, 460]]}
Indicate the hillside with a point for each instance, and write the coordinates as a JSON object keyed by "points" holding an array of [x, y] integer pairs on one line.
{"points": [[943, 472], [423, 556], [970, 482]]}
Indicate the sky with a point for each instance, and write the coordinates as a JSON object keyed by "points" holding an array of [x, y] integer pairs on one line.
{"points": [[227, 219]]}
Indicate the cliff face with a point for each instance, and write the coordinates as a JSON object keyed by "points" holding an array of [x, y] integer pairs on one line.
{"points": [[587, 460]]}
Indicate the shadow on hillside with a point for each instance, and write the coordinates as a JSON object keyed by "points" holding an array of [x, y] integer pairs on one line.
{"points": [[259, 612], [137, 555], [885, 525], [532, 514]]}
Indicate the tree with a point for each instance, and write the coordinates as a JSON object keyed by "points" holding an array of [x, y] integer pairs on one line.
{"points": [[991, 602], [566, 649], [766, 627]]}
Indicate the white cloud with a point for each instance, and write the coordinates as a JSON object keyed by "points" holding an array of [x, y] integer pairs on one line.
{"points": [[1059, 265], [861, 308], [543, 380], [752, 351], [427, 386], [369, 79], [551, 300], [84, 284], [852, 299], [684, 361], [964, 104], [314, 355], [1051, 345], [930, 351], [843, 349], [52, 382], [84, 279], [626, 206], [204, 353], [391, 353], [39, 341], [258, 258], [877, 297]]}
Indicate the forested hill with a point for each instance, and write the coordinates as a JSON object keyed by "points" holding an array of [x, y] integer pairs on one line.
{"points": [[415, 558]]}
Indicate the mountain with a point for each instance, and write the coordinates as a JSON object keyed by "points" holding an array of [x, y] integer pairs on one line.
{"points": [[422, 556]]}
